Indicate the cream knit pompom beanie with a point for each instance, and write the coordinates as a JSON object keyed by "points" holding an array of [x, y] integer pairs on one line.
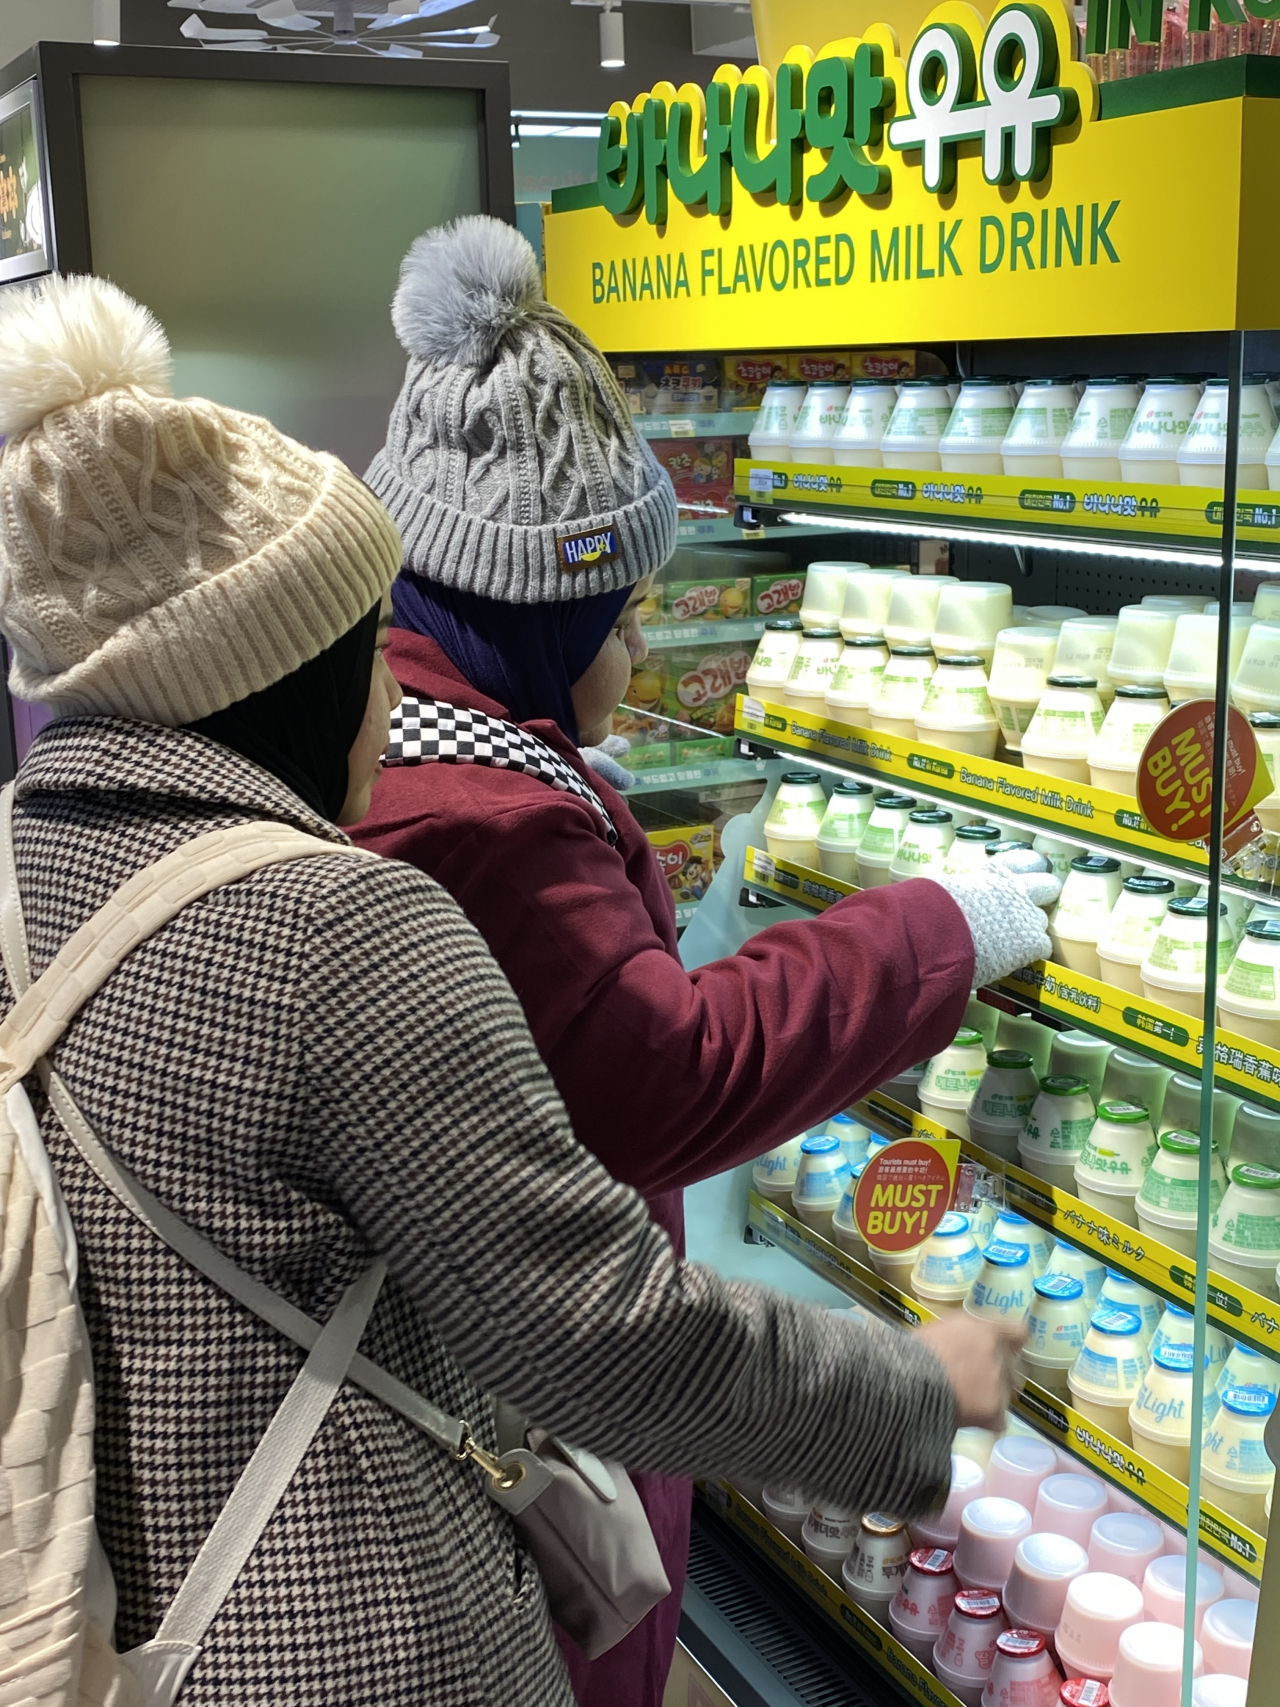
{"points": [[160, 558]]}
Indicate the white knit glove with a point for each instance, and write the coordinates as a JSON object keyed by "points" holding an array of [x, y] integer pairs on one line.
{"points": [[603, 760], [1003, 906]]}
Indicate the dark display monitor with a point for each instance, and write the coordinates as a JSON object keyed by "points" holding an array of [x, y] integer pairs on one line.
{"points": [[260, 205]]}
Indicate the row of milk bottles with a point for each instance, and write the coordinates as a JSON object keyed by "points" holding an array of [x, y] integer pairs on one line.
{"points": [[1166, 430], [958, 664], [1037, 1585], [1148, 934], [871, 837], [1095, 1338], [1121, 1133], [1115, 921]]}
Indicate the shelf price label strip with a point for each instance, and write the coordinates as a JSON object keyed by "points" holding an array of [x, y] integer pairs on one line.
{"points": [[1115, 1462], [1131, 1021], [794, 883], [704, 632], [1040, 802], [829, 1597], [1249, 1069], [1129, 511]]}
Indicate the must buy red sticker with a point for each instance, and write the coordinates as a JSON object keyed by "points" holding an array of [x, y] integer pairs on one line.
{"points": [[904, 1192], [1175, 773]]}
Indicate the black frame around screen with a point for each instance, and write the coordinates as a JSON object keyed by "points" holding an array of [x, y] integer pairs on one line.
{"points": [[58, 68]]}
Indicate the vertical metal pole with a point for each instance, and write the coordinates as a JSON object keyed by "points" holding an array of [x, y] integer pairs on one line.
{"points": [[1226, 584]]}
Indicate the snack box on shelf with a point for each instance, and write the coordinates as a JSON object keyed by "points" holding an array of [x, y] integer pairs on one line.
{"points": [[1116, 1462], [703, 682], [777, 595], [701, 470], [670, 385], [1126, 511], [709, 599], [692, 384], [1009, 791], [828, 1596], [686, 857]]}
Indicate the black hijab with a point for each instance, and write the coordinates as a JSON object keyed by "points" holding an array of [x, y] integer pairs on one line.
{"points": [[302, 727]]}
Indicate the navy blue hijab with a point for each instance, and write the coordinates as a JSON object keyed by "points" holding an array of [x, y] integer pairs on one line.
{"points": [[527, 657]]}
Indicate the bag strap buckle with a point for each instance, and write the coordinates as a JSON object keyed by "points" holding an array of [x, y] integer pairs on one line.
{"points": [[504, 1476]]}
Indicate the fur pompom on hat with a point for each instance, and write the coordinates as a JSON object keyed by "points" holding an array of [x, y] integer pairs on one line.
{"points": [[512, 466], [160, 557]]}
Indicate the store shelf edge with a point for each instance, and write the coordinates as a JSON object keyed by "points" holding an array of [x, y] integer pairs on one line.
{"points": [[720, 424], [703, 633], [1040, 802], [834, 1265], [902, 1668], [1099, 513]]}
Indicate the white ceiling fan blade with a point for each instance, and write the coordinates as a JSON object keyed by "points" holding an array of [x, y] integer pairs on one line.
{"points": [[195, 29], [425, 9], [286, 16], [486, 40]]}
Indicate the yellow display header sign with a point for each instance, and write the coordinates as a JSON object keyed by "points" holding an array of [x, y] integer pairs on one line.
{"points": [[966, 191]]}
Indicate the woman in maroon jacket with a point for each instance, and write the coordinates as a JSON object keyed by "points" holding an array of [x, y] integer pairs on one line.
{"points": [[533, 516]]}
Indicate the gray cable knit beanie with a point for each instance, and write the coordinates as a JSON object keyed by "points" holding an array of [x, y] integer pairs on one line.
{"points": [[512, 466]]}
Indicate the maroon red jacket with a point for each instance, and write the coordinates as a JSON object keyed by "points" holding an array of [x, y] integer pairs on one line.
{"points": [[668, 1076]]}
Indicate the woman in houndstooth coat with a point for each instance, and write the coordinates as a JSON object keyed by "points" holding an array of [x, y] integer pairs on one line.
{"points": [[322, 1063]]}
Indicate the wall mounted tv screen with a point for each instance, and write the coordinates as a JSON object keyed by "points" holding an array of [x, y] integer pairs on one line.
{"points": [[264, 223], [23, 207]]}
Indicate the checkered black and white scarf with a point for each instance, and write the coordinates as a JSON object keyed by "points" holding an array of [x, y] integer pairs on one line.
{"points": [[429, 732]]}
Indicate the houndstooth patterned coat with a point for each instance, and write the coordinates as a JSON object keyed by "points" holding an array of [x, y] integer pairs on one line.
{"points": [[321, 1063]]}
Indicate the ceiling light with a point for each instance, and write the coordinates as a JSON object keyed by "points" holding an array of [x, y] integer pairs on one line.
{"points": [[1208, 559], [613, 49], [106, 23]]}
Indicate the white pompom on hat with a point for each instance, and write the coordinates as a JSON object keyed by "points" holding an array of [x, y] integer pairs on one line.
{"points": [[512, 465], [160, 557]]}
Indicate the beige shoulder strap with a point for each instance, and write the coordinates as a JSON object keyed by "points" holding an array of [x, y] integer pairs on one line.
{"points": [[135, 912], [448, 1432]]}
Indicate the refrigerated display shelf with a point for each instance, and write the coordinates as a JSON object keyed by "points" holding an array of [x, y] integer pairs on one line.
{"points": [[1115, 1461], [872, 1639], [721, 424], [1244, 1314], [702, 632], [1180, 524], [1075, 811], [664, 778]]}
